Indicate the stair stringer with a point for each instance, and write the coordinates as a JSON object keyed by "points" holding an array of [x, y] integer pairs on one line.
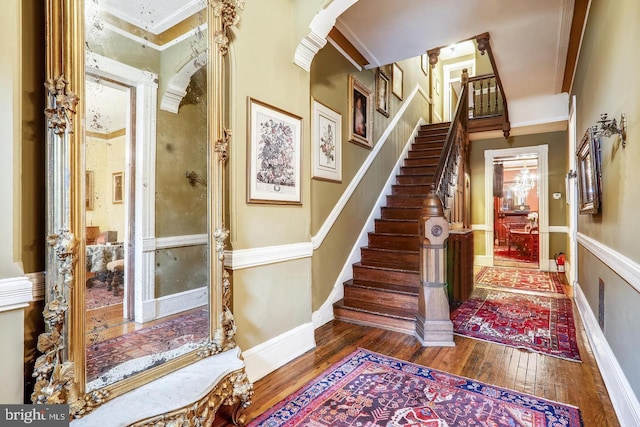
{"points": [[325, 313]]}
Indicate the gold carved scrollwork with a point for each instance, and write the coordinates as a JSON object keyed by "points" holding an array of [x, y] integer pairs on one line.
{"points": [[223, 337], [55, 378], [61, 104], [222, 145], [234, 390], [229, 10], [220, 235]]}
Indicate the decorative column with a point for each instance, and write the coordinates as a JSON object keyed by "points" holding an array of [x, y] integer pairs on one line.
{"points": [[433, 325]]}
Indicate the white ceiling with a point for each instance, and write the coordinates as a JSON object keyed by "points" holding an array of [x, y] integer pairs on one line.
{"points": [[529, 38], [154, 16]]}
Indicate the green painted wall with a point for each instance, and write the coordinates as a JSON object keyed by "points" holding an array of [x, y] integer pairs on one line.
{"points": [[329, 84], [605, 82], [272, 299], [557, 169]]}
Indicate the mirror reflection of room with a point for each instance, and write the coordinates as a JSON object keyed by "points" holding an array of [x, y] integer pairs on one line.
{"points": [[146, 192], [516, 212]]}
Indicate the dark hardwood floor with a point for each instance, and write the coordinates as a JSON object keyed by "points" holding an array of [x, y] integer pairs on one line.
{"points": [[578, 384]]}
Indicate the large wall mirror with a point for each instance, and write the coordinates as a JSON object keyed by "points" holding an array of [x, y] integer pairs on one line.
{"points": [[136, 287]]}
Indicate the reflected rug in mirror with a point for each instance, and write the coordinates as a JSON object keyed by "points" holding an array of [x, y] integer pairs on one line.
{"points": [[98, 296], [543, 324], [370, 389], [520, 279], [159, 339]]}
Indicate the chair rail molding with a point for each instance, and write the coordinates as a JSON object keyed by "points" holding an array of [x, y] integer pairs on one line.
{"points": [[624, 266], [15, 293]]}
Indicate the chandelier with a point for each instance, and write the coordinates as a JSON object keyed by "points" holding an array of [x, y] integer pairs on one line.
{"points": [[525, 181]]}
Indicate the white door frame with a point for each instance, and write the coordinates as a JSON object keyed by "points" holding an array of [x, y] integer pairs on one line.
{"points": [[572, 195], [543, 198], [146, 87], [470, 65]]}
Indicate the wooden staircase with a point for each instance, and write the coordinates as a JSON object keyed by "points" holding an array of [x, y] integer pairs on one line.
{"points": [[385, 285]]}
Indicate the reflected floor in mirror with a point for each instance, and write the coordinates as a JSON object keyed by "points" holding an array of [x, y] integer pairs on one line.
{"points": [[119, 348]]}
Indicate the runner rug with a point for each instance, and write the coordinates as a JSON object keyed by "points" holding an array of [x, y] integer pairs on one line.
{"points": [[520, 279], [369, 389], [543, 324]]}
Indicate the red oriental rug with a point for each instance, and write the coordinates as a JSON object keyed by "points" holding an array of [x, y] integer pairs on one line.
{"points": [[543, 324], [370, 389], [98, 296], [520, 279]]}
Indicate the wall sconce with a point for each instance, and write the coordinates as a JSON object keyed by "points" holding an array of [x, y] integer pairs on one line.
{"points": [[610, 127], [194, 178]]}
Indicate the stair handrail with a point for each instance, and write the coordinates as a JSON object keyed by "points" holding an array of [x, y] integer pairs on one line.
{"points": [[456, 135], [472, 93], [484, 45]]}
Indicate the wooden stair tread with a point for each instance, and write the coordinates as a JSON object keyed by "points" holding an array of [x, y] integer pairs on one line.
{"points": [[395, 269], [373, 309], [385, 287]]}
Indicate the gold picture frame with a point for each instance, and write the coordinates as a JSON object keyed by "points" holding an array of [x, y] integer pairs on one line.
{"points": [[588, 165], [117, 188], [360, 113], [274, 134], [382, 93]]}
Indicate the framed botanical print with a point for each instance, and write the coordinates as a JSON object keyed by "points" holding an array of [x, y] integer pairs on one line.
{"points": [[360, 113], [382, 93], [588, 165], [397, 77], [326, 142], [274, 155]]}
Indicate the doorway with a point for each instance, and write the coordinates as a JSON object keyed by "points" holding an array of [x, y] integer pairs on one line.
{"points": [[516, 211], [541, 153]]}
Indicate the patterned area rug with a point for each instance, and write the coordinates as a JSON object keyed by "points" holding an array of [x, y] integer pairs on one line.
{"points": [[513, 255], [160, 338], [520, 279], [98, 296], [543, 324], [369, 389]]}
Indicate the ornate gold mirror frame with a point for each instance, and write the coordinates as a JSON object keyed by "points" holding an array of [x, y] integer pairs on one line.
{"points": [[60, 370]]}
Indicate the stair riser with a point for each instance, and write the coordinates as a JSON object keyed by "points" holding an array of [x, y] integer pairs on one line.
{"points": [[420, 144], [384, 241], [404, 202], [418, 170], [418, 151], [441, 136], [408, 227], [414, 179], [411, 189], [413, 154], [382, 322], [422, 161], [382, 258], [395, 213], [407, 279], [352, 295]]}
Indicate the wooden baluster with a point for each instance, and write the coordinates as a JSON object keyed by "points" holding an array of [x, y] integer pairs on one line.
{"points": [[497, 89], [481, 96], [473, 99]]}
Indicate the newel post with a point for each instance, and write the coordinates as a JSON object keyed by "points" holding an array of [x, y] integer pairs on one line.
{"points": [[433, 325]]}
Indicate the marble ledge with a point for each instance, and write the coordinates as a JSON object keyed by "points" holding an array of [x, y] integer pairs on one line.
{"points": [[168, 393]]}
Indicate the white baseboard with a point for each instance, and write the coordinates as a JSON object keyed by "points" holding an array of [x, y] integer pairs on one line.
{"points": [[176, 303], [485, 260], [270, 355], [622, 396]]}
